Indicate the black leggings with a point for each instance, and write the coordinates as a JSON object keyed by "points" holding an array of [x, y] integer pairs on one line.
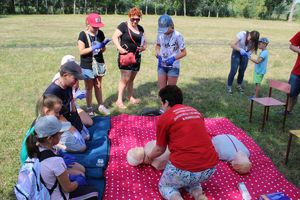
{"points": [[84, 192]]}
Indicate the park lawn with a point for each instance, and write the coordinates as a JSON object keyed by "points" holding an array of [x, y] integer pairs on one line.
{"points": [[31, 48]]}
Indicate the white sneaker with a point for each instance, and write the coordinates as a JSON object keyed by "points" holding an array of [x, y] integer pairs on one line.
{"points": [[103, 110]]}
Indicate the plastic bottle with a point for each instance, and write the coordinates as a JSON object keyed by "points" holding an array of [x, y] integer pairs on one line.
{"points": [[244, 192]]}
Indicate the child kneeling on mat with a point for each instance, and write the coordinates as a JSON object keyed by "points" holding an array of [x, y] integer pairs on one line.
{"points": [[48, 130]]}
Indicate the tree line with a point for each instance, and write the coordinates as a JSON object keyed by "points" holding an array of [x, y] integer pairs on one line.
{"points": [[262, 9]]}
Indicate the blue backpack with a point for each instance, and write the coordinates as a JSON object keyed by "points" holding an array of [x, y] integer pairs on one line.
{"points": [[30, 184]]}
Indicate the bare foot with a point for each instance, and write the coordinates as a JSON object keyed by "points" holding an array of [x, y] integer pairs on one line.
{"points": [[176, 197], [134, 100], [198, 195], [120, 105]]}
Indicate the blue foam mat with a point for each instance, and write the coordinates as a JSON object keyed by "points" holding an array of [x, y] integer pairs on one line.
{"points": [[96, 154], [101, 122], [99, 184], [94, 172]]}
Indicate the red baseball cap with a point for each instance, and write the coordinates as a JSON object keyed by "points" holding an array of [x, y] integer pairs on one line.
{"points": [[94, 20]]}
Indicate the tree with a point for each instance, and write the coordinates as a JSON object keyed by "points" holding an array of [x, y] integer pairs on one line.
{"points": [[293, 6], [11, 7], [184, 7], [271, 6], [176, 6], [220, 4]]}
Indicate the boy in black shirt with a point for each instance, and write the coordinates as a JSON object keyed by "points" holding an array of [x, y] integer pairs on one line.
{"points": [[70, 72]]}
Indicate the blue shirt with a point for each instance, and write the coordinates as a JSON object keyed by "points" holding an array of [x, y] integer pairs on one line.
{"points": [[261, 68]]}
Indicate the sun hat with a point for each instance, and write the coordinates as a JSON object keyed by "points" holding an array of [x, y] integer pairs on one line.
{"points": [[67, 58], [49, 125], [94, 20], [72, 68], [164, 22], [264, 40]]}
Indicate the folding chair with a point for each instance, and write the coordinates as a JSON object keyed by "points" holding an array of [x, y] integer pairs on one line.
{"points": [[269, 101], [295, 133]]}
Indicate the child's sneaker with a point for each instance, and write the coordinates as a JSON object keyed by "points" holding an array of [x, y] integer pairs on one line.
{"points": [[240, 89], [287, 113], [251, 97], [103, 110], [229, 90], [90, 111]]}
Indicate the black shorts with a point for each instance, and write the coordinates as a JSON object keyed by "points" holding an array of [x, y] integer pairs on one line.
{"points": [[84, 192], [135, 67]]}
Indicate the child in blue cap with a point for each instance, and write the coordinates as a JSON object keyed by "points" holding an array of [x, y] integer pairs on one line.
{"points": [[169, 49], [261, 62]]}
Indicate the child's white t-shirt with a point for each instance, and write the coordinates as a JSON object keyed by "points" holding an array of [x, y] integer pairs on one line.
{"points": [[170, 45]]}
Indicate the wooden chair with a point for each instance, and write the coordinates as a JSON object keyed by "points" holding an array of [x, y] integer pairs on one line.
{"points": [[295, 133], [269, 101]]}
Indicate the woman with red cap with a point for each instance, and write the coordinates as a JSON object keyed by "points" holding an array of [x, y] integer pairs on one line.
{"points": [[91, 46], [129, 37]]}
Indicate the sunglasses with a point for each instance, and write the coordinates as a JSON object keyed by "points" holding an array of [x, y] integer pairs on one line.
{"points": [[135, 19]]}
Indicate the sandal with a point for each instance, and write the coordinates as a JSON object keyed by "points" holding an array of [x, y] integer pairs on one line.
{"points": [[134, 101], [120, 105]]}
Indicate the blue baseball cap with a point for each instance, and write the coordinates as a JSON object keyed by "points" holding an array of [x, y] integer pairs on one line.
{"points": [[264, 40], [49, 125], [164, 22]]}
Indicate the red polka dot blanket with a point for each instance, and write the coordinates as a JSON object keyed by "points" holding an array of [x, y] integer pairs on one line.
{"points": [[126, 182]]}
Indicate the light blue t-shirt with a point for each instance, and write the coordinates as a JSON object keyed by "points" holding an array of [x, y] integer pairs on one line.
{"points": [[261, 68]]}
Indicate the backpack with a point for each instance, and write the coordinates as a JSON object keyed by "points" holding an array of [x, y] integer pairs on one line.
{"points": [[30, 185]]}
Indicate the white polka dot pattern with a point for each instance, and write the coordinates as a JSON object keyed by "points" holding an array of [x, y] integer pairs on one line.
{"points": [[126, 182]]}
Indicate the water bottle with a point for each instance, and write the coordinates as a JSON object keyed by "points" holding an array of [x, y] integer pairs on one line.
{"points": [[244, 192]]}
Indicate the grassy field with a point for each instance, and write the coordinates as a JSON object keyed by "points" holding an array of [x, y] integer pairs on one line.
{"points": [[31, 48]]}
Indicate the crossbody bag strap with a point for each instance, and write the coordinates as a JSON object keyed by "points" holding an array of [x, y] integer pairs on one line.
{"points": [[232, 142], [131, 37], [90, 43], [88, 38]]}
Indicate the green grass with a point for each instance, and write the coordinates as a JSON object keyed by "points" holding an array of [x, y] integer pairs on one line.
{"points": [[31, 48]]}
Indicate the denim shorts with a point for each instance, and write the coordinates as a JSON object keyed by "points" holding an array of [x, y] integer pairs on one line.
{"points": [[88, 74], [295, 85], [173, 179], [169, 71]]}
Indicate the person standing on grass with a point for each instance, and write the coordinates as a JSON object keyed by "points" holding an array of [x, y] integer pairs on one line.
{"points": [[91, 45], [193, 158], [261, 62], [245, 42], [169, 49], [129, 37], [295, 74]]}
